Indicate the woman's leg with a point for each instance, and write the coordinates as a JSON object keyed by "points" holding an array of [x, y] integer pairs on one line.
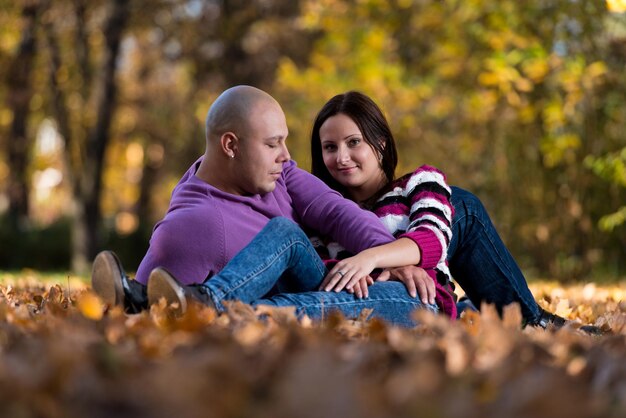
{"points": [[480, 262]]}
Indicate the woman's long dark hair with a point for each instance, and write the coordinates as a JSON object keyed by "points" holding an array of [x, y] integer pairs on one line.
{"points": [[373, 126]]}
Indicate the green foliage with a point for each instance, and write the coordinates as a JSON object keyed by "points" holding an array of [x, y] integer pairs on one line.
{"points": [[612, 168], [49, 247], [45, 248]]}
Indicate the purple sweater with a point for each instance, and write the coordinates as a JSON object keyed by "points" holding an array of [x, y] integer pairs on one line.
{"points": [[205, 227]]}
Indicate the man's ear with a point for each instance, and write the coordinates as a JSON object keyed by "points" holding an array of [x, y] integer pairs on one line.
{"points": [[229, 144]]}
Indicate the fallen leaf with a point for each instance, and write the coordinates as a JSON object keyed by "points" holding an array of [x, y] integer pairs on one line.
{"points": [[90, 306]]}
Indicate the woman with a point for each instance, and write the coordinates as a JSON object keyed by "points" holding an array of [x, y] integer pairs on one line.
{"points": [[354, 152]]}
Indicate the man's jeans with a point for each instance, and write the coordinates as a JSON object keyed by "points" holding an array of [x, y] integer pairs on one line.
{"points": [[480, 262], [280, 267]]}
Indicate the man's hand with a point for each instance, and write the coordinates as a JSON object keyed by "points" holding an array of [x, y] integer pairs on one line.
{"points": [[416, 280], [360, 288]]}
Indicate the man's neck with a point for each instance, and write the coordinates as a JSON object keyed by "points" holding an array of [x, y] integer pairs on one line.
{"points": [[213, 173]]}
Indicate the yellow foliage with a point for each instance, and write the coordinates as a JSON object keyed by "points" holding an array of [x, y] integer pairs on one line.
{"points": [[134, 154], [450, 70], [6, 117], [524, 85], [616, 6], [535, 69], [126, 223], [556, 148], [441, 106], [4, 171], [9, 39], [553, 114], [596, 69], [489, 79], [90, 306]]}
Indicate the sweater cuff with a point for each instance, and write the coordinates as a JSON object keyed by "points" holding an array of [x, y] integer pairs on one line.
{"points": [[429, 246], [330, 263]]}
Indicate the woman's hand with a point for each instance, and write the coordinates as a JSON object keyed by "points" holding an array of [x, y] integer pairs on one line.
{"points": [[350, 272], [416, 280]]}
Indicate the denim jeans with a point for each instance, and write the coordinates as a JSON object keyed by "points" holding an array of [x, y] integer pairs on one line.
{"points": [[480, 262], [280, 267]]}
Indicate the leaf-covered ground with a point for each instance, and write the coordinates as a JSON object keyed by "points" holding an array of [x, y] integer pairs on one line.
{"points": [[60, 356]]}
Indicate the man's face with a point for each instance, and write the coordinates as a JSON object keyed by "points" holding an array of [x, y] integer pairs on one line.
{"points": [[262, 151]]}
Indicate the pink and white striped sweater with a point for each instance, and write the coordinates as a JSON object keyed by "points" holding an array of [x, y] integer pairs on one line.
{"points": [[416, 206]]}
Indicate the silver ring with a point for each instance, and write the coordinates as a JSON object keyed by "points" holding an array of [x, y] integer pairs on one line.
{"points": [[341, 273]]}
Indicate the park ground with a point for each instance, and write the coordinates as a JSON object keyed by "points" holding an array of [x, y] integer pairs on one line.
{"points": [[63, 355]]}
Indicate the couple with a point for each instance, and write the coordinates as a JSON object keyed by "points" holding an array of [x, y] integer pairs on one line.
{"points": [[235, 226]]}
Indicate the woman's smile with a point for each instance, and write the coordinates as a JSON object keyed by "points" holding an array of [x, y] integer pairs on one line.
{"points": [[349, 158]]}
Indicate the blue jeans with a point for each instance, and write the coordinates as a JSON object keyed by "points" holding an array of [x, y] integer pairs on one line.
{"points": [[480, 262], [280, 267]]}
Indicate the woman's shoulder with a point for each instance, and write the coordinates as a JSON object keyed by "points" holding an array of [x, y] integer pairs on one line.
{"points": [[425, 169], [422, 174]]}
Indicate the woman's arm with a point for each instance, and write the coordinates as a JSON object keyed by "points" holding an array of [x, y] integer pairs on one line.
{"points": [[347, 272], [430, 214], [428, 220]]}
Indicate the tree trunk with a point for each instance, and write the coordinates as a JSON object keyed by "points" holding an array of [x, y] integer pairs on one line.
{"points": [[85, 162], [19, 96], [98, 137], [72, 150]]}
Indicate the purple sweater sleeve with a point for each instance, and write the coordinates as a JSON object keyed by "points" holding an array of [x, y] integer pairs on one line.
{"points": [[323, 209]]}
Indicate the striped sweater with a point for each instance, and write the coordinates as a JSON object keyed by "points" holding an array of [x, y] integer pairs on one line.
{"points": [[416, 206]]}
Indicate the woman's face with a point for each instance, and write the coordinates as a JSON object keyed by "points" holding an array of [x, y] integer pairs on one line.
{"points": [[349, 158]]}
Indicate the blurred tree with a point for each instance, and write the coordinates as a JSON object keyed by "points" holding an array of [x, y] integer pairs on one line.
{"points": [[180, 56], [19, 94], [508, 98], [86, 133], [131, 81]]}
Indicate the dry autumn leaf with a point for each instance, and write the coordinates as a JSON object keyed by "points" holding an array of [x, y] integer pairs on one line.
{"points": [[90, 305], [265, 362]]}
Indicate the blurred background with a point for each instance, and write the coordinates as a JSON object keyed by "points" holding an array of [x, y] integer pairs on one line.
{"points": [[102, 104]]}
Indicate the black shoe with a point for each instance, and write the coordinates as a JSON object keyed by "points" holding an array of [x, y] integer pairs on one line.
{"points": [[109, 282], [593, 330], [161, 284], [547, 320]]}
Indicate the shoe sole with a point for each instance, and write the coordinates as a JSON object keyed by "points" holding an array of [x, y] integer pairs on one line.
{"points": [[161, 284], [106, 278]]}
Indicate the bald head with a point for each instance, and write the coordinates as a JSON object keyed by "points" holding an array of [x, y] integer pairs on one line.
{"points": [[232, 110], [246, 150]]}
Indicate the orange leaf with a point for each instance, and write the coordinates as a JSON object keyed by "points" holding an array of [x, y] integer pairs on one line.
{"points": [[90, 306]]}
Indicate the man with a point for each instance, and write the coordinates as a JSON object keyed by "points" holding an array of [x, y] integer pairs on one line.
{"points": [[245, 179]]}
